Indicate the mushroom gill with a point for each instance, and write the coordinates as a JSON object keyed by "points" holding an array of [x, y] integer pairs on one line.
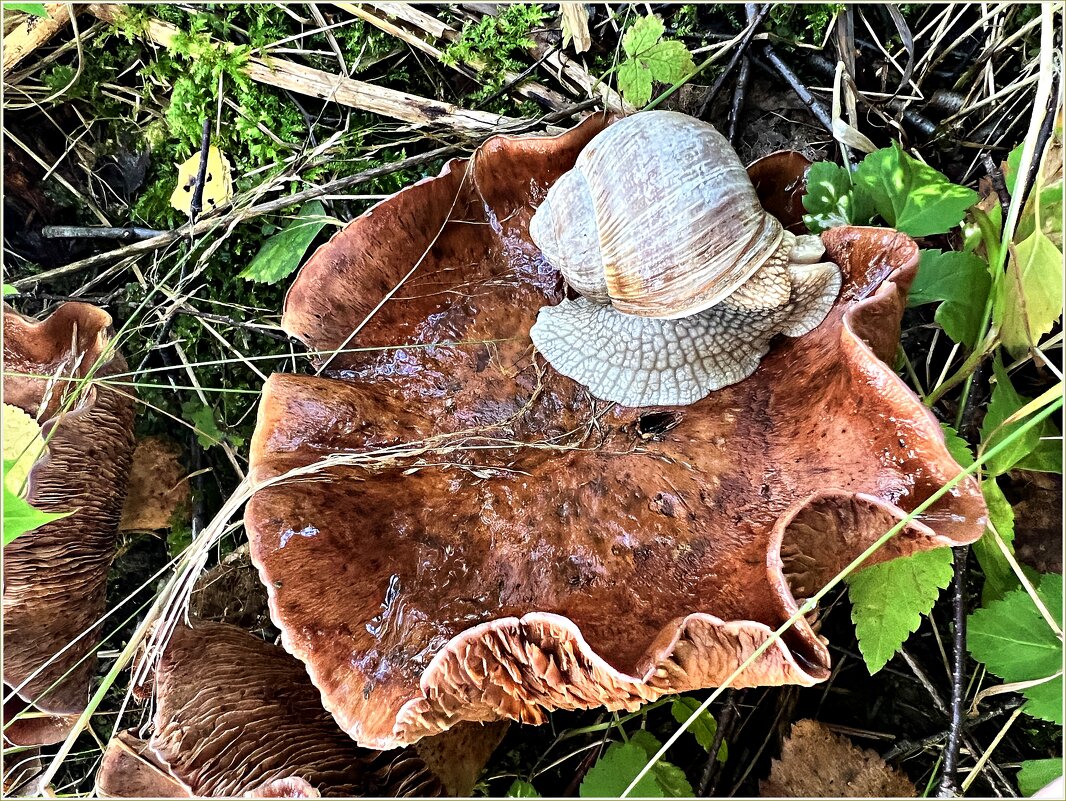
{"points": [[237, 716], [489, 542], [55, 576]]}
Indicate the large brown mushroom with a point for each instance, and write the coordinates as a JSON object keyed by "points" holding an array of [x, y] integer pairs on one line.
{"points": [[234, 716], [484, 540], [55, 576]]}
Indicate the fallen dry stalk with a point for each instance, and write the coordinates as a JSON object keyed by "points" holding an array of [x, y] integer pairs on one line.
{"points": [[33, 32], [305, 80], [438, 30]]}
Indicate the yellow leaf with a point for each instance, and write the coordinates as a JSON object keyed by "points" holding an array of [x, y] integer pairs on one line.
{"points": [[23, 445], [218, 183]]}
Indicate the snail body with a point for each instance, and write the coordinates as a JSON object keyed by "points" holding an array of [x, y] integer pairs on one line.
{"points": [[683, 277]]}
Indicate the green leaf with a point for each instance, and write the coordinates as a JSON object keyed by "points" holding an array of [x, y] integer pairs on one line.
{"points": [[36, 9], [1005, 402], [643, 35], [203, 420], [615, 769], [889, 599], [621, 763], [282, 253], [831, 200], [912, 196], [703, 728], [669, 62], [634, 82], [9, 290], [1046, 457], [522, 789], [999, 577], [1013, 640], [958, 447], [962, 283], [19, 516], [1036, 774], [1029, 300], [669, 777]]}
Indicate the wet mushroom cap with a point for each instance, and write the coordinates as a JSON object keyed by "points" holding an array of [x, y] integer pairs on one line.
{"points": [[489, 542], [55, 576]]}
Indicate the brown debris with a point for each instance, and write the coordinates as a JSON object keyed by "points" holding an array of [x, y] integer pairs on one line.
{"points": [[55, 576], [816, 763], [159, 487], [1037, 501], [510, 546]]}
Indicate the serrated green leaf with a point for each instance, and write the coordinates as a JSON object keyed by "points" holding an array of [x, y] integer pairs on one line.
{"points": [[9, 290], [1014, 642], [670, 778], [643, 35], [958, 447], [35, 9], [282, 253], [19, 516], [961, 282], [831, 200], [1005, 402], [669, 61], [615, 769], [703, 728], [1029, 298], [634, 82], [999, 577], [889, 599], [912, 196], [621, 763], [1036, 774], [522, 789], [203, 420]]}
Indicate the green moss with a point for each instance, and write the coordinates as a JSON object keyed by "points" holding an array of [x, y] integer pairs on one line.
{"points": [[493, 41]]}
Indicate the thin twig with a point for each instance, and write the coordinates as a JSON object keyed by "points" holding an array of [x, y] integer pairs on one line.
{"points": [[949, 788], [998, 184], [206, 224], [197, 204], [804, 94], [741, 50]]}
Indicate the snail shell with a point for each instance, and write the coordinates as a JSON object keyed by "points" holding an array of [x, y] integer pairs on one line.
{"points": [[658, 217], [684, 277]]}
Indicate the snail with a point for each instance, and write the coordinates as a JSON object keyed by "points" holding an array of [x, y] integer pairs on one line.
{"points": [[683, 277]]}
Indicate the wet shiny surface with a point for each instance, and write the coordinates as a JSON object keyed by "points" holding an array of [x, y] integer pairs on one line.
{"points": [[531, 496]]}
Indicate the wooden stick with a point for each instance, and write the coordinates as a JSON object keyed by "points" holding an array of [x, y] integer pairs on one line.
{"points": [[305, 80], [32, 33]]}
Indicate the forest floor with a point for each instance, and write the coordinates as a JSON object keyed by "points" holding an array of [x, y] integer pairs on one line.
{"points": [[100, 115]]}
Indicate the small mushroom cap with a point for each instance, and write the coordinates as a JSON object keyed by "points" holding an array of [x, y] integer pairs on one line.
{"points": [[487, 541], [55, 577]]}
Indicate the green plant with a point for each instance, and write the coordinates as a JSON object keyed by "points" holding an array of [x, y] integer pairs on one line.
{"points": [[976, 301], [650, 58], [490, 43], [619, 765]]}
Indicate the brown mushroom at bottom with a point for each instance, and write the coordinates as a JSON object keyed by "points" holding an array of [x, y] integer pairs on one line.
{"points": [[237, 716], [473, 537], [55, 576]]}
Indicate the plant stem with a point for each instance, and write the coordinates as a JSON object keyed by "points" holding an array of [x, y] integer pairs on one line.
{"points": [[948, 786]]}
